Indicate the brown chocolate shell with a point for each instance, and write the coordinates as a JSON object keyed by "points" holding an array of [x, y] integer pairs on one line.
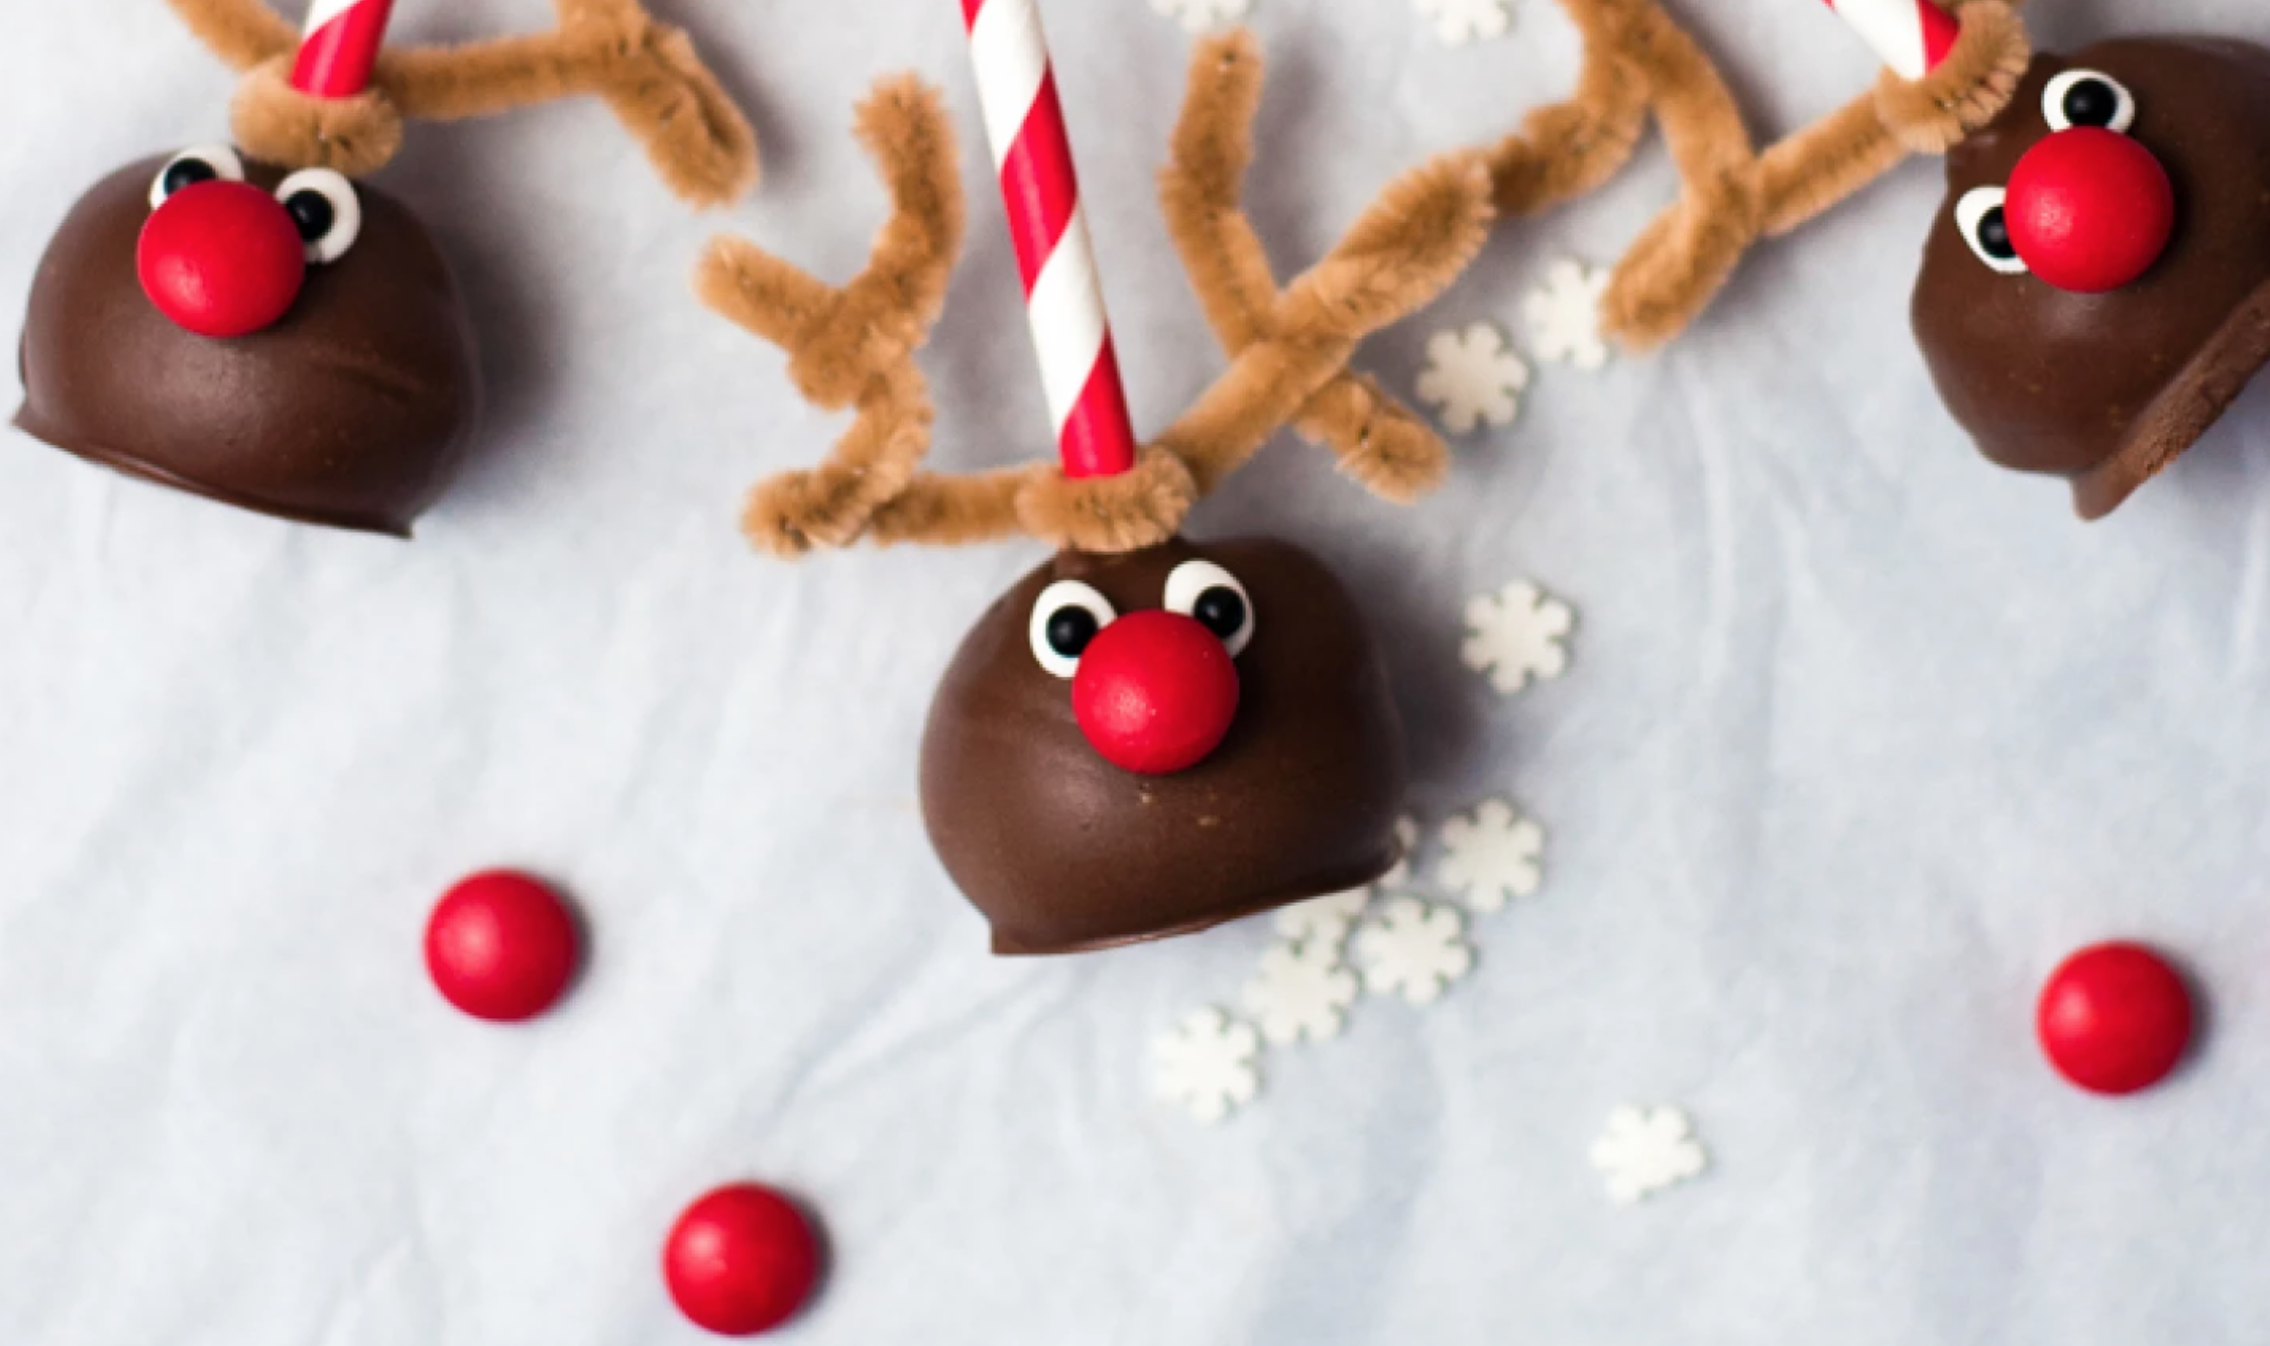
{"points": [[353, 411], [1064, 852], [2107, 389]]}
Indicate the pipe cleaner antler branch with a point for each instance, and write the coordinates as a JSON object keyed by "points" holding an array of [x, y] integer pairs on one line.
{"points": [[854, 347], [649, 73], [1640, 62]]}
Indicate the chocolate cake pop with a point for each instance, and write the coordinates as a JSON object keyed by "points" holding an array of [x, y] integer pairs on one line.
{"points": [[1147, 735], [1952, 68], [2095, 291], [254, 324]]}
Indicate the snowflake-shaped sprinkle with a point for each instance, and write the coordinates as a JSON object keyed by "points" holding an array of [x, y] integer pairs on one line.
{"points": [[1645, 1150], [1197, 16], [1205, 1065], [1322, 921], [1415, 950], [1516, 634], [1458, 22], [1492, 857], [1564, 315], [1302, 992], [1472, 378], [1407, 837]]}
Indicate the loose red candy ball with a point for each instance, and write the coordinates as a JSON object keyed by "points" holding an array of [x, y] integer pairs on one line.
{"points": [[741, 1260], [2114, 1018], [1155, 693], [222, 259], [2089, 209], [502, 947]]}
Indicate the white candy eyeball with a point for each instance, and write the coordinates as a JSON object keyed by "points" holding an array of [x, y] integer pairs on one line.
{"points": [[1979, 216], [202, 163], [325, 209], [2088, 98], [1066, 617], [1216, 599]]}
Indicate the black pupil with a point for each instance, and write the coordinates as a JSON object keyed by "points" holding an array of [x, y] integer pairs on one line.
{"points": [[1221, 611], [313, 213], [1994, 234], [1070, 630], [2091, 102], [188, 173]]}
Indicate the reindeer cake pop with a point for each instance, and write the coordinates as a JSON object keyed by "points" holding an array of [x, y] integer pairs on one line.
{"points": [[2095, 291], [2096, 288], [255, 324], [1147, 735]]}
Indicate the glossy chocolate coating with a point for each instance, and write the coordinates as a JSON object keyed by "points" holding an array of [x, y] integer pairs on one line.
{"points": [[353, 411], [1063, 851], [2107, 389]]}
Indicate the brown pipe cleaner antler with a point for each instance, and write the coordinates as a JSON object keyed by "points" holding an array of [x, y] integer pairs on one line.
{"points": [[648, 72]]}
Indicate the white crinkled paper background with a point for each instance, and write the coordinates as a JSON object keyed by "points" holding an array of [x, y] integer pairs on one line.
{"points": [[1860, 737]]}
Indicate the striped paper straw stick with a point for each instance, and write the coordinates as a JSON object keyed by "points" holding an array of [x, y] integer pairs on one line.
{"points": [[340, 48], [1079, 370], [1910, 36]]}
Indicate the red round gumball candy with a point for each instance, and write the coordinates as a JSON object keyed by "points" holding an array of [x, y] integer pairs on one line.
{"points": [[2089, 209], [2114, 1018], [221, 259], [1155, 693], [501, 946], [742, 1260]]}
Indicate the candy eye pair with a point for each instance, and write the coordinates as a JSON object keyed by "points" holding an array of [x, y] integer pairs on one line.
{"points": [[323, 204], [2073, 99], [1069, 615]]}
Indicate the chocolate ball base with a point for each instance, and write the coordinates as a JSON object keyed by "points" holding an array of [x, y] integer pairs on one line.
{"points": [[1064, 852], [2106, 389], [353, 411]]}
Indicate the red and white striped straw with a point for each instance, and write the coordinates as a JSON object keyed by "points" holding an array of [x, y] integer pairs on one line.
{"points": [[1079, 370], [1910, 36], [340, 47]]}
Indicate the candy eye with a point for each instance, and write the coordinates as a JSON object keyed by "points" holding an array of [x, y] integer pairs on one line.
{"points": [[1986, 228], [205, 163], [326, 211], [1066, 616], [2087, 98], [1215, 598]]}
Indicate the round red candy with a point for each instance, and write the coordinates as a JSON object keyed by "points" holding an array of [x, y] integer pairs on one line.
{"points": [[741, 1260], [1155, 693], [2089, 209], [2114, 1018], [502, 947], [222, 259]]}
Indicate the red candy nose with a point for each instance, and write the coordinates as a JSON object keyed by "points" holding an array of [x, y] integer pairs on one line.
{"points": [[222, 259], [2114, 1018], [2089, 209], [1155, 693]]}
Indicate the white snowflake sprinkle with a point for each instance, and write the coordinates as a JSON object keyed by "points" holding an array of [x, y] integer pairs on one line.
{"points": [[1323, 921], [1472, 378], [1407, 837], [1516, 634], [1198, 16], [1564, 315], [1414, 950], [1458, 22], [1645, 1150], [1491, 857], [1205, 1065], [1302, 992]]}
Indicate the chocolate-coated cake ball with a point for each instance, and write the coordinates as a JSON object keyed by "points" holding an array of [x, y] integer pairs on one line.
{"points": [[1094, 773], [2096, 289], [291, 343]]}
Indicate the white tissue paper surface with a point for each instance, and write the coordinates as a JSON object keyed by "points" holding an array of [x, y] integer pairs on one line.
{"points": [[1860, 736]]}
